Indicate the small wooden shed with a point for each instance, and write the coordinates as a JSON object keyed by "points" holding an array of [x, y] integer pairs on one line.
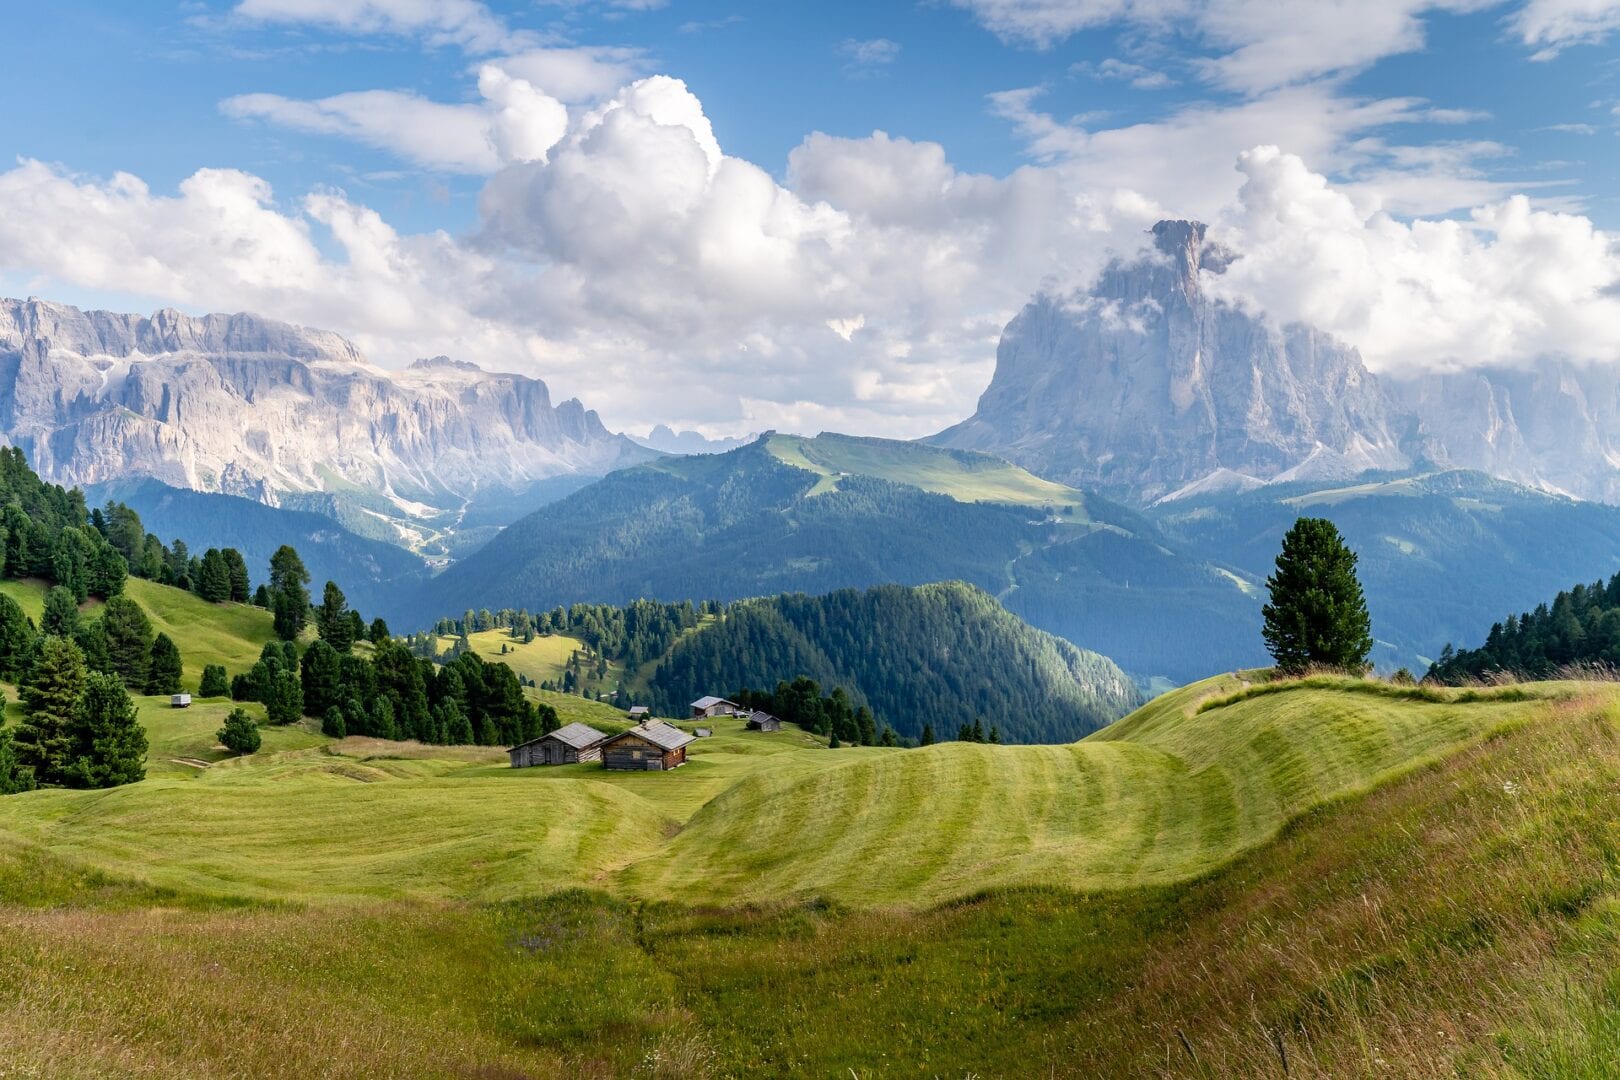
{"points": [[763, 721], [640, 712], [566, 746], [705, 707], [648, 747]]}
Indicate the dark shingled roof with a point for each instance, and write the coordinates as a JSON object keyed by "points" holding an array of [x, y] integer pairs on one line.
{"points": [[578, 736], [711, 701], [660, 734]]}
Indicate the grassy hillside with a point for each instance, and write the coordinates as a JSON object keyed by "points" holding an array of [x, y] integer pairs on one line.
{"points": [[1168, 796], [229, 634], [961, 474], [1456, 918]]}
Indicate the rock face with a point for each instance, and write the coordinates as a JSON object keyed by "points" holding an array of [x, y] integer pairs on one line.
{"points": [[1555, 427], [1146, 385], [278, 413]]}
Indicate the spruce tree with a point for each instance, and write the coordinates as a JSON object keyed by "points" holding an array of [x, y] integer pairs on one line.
{"points": [[16, 639], [109, 744], [927, 735], [378, 632], [240, 735], [44, 740], [237, 572], [61, 616], [214, 682], [332, 723], [14, 775], [332, 619], [163, 672], [129, 640], [321, 676], [289, 593], [1317, 615], [213, 582]]}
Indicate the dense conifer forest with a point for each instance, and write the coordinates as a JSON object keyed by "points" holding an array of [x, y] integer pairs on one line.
{"points": [[1580, 627]]}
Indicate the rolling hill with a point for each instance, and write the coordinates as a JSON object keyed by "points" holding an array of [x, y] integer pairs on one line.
{"points": [[786, 514], [1330, 867]]}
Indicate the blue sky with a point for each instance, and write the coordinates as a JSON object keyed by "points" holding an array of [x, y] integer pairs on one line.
{"points": [[474, 201]]}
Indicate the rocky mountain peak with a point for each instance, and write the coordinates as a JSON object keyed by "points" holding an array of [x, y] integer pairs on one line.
{"points": [[1144, 384]]}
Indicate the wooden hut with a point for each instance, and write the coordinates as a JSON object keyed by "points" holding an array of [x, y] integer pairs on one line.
{"points": [[763, 721], [638, 713], [706, 707], [566, 746], [648, 747]]}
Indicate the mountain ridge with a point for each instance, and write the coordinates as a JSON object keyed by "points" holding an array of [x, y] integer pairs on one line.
{"points": [[1152, 384], [243, 405]]}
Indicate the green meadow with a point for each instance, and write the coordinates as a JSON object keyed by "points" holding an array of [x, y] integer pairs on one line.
{"points": [[1328, 877]]}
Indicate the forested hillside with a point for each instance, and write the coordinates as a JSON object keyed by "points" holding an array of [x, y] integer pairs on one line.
{"points": [[939, 656], [747, 523], [1581, 627]]}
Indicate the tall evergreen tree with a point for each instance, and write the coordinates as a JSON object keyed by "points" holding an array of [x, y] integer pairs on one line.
{"points": [[44, 740], [333, 619], [14, 775], [129, 640], [16, 639], [237, 572], [109, 744], [163, 672], [61, 616], [1317, 614], [213, 581], [214, 682], [322, 678], [289, 593]]}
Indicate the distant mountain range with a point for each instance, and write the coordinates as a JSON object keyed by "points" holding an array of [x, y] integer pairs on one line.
{"points": [[284, 415], [1148, 387]]}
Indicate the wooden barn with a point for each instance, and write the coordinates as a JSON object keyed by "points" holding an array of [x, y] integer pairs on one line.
{"points": [[565, 746], [763, 721], [705, 707], [647, 747], [638, 713]]}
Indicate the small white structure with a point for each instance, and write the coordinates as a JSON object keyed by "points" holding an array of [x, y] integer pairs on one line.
{"points": [[708, 707], [179, 701]]}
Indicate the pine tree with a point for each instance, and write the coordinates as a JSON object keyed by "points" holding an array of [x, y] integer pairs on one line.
{"points": [[332, 619], [129, 640], [322, 678], [44, 740], [109, 743], [240, 735], [1317, 614], [236, 570], [14, 775], [289, 593], [282, 696], [214, 683], [16, 639], [163, 673], [261, 596], [378, 632], [213, 582], [332, 724], [927, 735], [61, 616]]}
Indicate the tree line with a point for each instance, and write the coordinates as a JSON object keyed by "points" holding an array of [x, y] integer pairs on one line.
{"points": [[1580, 626]]}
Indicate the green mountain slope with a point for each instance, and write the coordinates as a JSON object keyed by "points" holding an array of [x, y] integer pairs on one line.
{"points": [[938, 655], [851, 513]]}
